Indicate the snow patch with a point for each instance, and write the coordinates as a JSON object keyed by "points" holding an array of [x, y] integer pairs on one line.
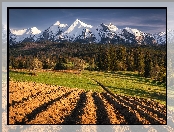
{"points": [[35, 30], [32, 30], [57, 23], [18, 32], [135, 32]]}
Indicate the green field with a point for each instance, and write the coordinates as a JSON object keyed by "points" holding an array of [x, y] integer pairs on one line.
{"points": [[120, 82]]}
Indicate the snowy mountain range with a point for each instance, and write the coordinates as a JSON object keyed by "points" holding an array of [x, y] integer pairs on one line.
{"points": [[79, 31]]}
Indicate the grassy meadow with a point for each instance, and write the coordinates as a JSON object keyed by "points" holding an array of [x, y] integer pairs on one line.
{"points": [[120, 82]]}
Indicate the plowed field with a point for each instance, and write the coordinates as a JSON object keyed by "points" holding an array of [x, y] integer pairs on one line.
{"points": [[36, 103]]}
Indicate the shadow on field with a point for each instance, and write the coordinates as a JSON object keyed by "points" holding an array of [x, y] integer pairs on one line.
{"points": [[92, 84], [73, 118], [23, 73], [134, 77], [18, 72], [161, 113], [145, 115], [23, 99], [129, 116], [102, 116], [141, 93], [39, 109], [133, 92]]}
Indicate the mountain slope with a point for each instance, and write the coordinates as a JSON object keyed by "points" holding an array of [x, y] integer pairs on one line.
{"points": [[25, 35], [77, 30], [52, 32], [160, 37]]}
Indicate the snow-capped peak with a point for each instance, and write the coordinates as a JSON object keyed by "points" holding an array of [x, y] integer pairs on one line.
{"points": [[135, 32], [32, 30], [18, 32], [77, 24], [112, 27], [82, 23], [35, 30], [57, 23]]}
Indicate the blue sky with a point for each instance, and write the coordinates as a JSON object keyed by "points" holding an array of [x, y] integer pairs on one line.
{"points": [[146, 20]]}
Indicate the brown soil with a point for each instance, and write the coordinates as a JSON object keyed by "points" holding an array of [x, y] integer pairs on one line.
{"points": [[36, 103]]}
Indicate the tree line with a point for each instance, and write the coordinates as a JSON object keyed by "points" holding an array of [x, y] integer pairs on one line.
{"points": [[148, 61]]}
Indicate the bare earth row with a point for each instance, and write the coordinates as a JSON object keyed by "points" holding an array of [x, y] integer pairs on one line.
{"points": [[35, 103]]}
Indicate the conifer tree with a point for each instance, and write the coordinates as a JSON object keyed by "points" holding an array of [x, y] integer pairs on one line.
{"points": [[135, 60], [130, 60], [140, 63], [148, 64]]}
